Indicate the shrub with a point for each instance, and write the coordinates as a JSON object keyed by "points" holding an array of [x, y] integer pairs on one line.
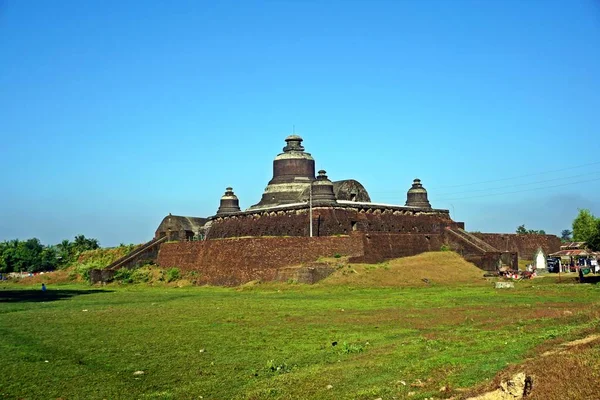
{"points": [[337, 255], [72, 274], [123, 275], [141, 275], [173, 274], [83, 270], [445, 247]]}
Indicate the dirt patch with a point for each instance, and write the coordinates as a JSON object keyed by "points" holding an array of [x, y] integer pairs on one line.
{"points": [[586, 340], [578, 342], [515, 388], [570, 372]]}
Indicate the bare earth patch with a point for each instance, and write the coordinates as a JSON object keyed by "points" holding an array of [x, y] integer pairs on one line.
{"points": [[570, 372]]}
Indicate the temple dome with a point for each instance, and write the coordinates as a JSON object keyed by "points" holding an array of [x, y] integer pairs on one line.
{"points": [[293, 171], [322, 189], [417, 196], [229, 203], [294, 150]]}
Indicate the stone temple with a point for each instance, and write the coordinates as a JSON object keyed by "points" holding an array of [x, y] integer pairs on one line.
{"points": [[303, 215]]}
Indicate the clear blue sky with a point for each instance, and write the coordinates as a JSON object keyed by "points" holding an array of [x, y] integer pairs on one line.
{"points": [[115, 113]]}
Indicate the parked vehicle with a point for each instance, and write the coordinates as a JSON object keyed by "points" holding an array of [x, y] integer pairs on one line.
{"points": [[553, 264]]}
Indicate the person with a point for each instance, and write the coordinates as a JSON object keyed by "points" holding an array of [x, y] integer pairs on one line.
{"points": [[43, 287], [594, 265]]}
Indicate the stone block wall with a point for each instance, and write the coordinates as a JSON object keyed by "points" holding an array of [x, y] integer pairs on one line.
{"points": [[524, 245], [101, 275]]}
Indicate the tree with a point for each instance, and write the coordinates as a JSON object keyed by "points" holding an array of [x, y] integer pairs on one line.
{"points": [[584, 226], [82, 243], [521, 230], [593, 241], [534, 232], [32, 256], [565, 235], [64, 252]]}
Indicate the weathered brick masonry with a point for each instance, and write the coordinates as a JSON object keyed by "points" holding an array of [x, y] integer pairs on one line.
{"points": [[524, 245], [237, 260], [329, 221], [383, 246]]}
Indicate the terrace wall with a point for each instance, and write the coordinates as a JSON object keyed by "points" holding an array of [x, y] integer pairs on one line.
{"points": [[382, 246], [329, 221], [234, 261], [524, 245]]}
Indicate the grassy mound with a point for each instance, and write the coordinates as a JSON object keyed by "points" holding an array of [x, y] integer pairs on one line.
{"points": [[442, 267], [101, 258]]}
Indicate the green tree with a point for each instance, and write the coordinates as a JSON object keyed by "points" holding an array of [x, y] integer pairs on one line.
{"points": [[28, 254], [521, 230], [7, 256], [82, 243], [64, 252], [584, 226], [48, 259], [534, 232], [32, 256], [565, 235], [593, 241]]}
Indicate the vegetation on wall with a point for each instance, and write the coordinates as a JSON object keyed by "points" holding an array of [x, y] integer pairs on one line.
{"points": [[521, 230]]}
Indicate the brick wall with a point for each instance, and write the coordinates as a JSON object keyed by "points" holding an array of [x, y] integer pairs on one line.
{"points": [[524, 245], [382, 246], [234, 261], [328, 221]]}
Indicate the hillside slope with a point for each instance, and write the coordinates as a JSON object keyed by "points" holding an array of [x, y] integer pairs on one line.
{"points": [[442, 267]]}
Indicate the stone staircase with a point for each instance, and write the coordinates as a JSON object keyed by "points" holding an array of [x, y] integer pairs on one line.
{"points": [[473, 249], [473, 240], [136, 254]]}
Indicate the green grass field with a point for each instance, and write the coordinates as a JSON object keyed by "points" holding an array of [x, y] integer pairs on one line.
{"points": [[277, 341]]}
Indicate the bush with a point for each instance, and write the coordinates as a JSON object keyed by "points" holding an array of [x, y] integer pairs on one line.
{"points": [[141, 275], [123, 275], [445, 247], [173, 274], [83, 270]]}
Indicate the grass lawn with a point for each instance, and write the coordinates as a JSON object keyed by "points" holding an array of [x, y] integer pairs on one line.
{"points": [[400, 329], [277, 340]]}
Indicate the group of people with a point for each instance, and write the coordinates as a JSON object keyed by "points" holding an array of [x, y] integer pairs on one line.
{"points": [[516, 275]]}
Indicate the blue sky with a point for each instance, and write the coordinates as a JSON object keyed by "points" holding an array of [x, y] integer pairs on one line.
{"points": [[115, 113]]}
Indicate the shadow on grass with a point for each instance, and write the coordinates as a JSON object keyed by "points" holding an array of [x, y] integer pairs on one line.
{"points": [[594, 279], [14, 296]]}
